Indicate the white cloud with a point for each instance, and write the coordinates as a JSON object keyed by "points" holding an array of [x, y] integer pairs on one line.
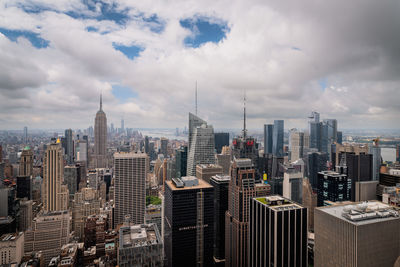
{"points": [[277, 52]]}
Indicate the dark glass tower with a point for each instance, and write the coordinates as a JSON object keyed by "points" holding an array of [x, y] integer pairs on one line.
{"points": [[333, 186], [221, 139], [268, 133], [277, 140], [278, 232], [189, 222], [221, 185], [181, 161]]}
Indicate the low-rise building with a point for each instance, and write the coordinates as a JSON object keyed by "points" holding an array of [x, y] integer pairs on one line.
{"points": [[11, 248]]}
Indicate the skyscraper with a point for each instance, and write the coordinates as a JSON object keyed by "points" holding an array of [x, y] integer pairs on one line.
{"points": [[201, 148], [25, 137], [297, 145], [221, 140], [397, 153], [314, 128], [189, 222], [278, 232], [54, 194], [375, 151], [69, 146], [242, 188], [316, 162], [181, 161], [26, 162], [194, 122], [363, 234], [268, 133], [221, 187], [100, 137], [293, 184], [130, 186], [333, 186], [277, 139], [164, 147]]}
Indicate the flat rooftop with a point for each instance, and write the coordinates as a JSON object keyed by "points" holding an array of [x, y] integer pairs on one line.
{"points": [[138, 235], [221, 178], [125, 155], [201, 185], [361, 213], [278, 203], [208, 166]]}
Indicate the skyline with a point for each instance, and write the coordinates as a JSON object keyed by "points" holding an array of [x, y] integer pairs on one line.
{"points": [[291, 58]]}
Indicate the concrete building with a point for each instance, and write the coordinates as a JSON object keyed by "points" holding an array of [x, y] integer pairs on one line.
{"points": [[242, 188], [363, 234], [278, 232], [224, 160], [293, 185], [296, 145], [201, 149], [11, 248], [366, 190], [26, 162], [221, 188], [310, 198], [154, 215], [164, 147], [140, 245], [100, 138], [54, 194], [71, 179], [50, 231], [25, 215], [189, 222], [206, 171], [130, 171]]}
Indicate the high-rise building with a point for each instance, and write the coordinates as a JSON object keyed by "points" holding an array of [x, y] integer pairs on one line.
{"points": [[201, 149], [375, 151], [164, 147], [221, 140], [71, 178], [268, 133], [69, 146], [130, 171], [333, 186], [296, 145], [194, 122], [140, 245], [50, 231], [293, 185], [397, 153], [224, 160], [206, 171], [189, 222], [24, 187], [278, 232], [26, 162], [146, 145], [100, 137], [53, 192], [314, 128], [363, 234], [310, 198], [25, 137], [26, 215], [277, 138], [181, 161], [221, 188], [358, 168], [242, 188], [316, 162], [122, 125]]}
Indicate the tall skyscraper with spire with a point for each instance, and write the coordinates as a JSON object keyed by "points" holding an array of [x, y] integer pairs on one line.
{"points": [[100, 137]]}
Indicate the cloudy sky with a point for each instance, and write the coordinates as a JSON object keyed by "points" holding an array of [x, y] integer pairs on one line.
{"points": [[341, 58]]}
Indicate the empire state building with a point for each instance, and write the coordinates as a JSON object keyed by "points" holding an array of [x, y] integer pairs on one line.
{"points": [[100, 137]]}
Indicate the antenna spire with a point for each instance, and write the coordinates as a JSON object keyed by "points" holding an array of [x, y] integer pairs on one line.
{"points": [[195, 98], [101, 101], [244, 115]]}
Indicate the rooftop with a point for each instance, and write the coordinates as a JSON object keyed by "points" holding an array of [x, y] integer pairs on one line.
{"points": [[361, 213], [187, 183], [10, 237], [208, 166], [139, 235], [278, 202], [221, 178], [125, 155]]}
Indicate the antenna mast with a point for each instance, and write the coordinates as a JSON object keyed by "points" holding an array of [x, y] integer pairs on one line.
{"points": [[244, 115]]}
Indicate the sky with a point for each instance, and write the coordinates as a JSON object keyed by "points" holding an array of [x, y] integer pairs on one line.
{"points": [[340, 58]]}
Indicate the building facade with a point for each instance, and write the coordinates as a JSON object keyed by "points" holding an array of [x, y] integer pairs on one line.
{"points": [[100, 138], [278, 232], [130, 171]]}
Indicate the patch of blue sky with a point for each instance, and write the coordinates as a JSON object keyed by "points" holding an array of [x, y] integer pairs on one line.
{"points": [[204, 30], [33, 37], [107, 11], [323, 84], [154, 23], [123, 93], [129, 51], [92, 29]]}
